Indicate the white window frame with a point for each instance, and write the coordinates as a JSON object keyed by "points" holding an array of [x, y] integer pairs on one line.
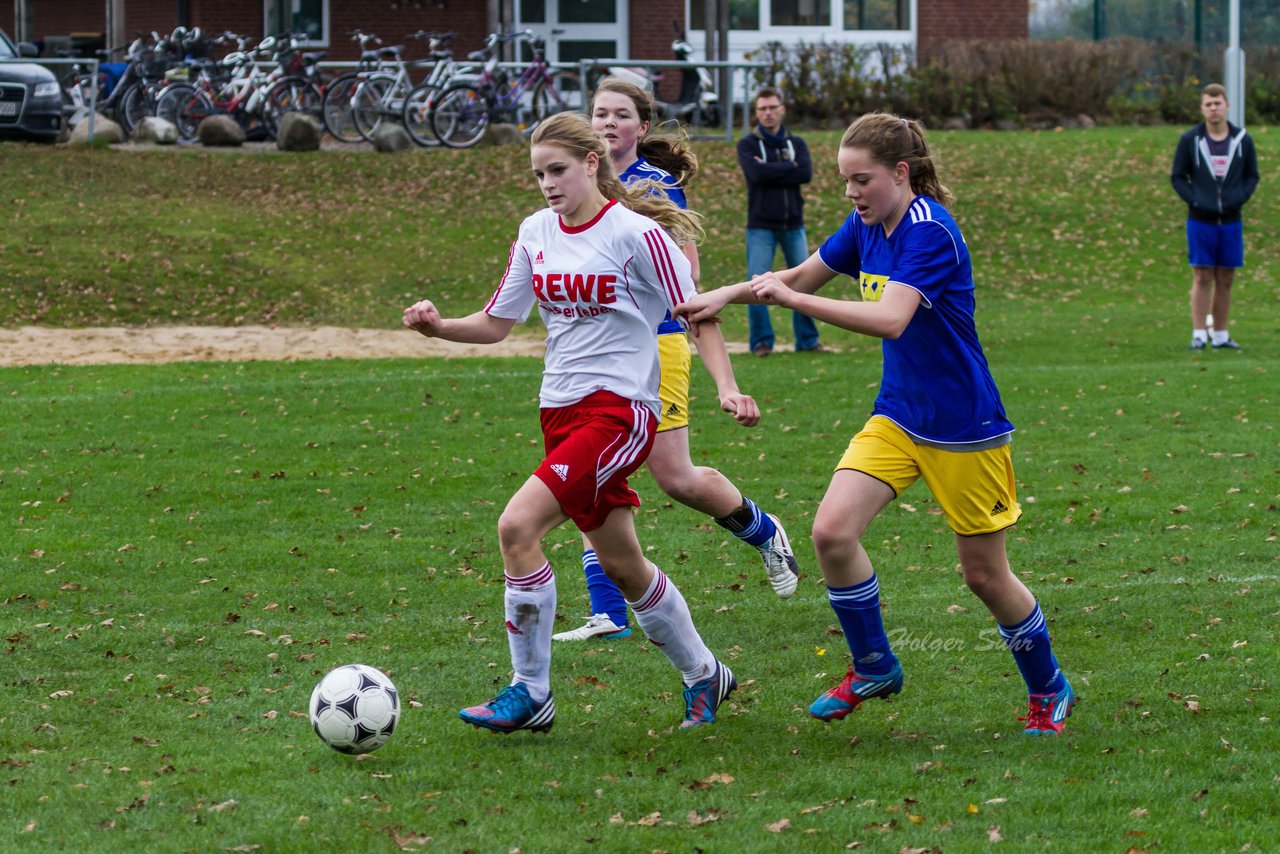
{"points": [[744, 41], [618, 33], [325, 20]]}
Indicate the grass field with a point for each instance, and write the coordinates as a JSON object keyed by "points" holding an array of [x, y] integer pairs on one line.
{"points": [[192, 546]]}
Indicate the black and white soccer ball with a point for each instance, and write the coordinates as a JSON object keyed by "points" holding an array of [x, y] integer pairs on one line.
{"points": [[355, 708]]}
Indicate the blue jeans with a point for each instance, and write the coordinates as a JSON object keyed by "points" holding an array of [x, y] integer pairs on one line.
{"points": [[762, 244]]}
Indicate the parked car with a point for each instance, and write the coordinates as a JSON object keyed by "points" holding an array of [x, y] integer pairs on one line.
{"points": [[30, 98]]}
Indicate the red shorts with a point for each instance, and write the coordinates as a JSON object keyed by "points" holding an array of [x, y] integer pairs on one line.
{"points": [[591, 447]]}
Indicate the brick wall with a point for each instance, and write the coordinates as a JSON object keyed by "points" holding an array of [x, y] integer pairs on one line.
{"points": [[943, 20], [468, 19]]}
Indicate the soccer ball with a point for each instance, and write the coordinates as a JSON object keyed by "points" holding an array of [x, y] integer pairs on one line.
{"points": [[355, 708]]}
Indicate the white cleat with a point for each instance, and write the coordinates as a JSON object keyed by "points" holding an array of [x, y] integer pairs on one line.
{"points": [[598, 626], [780, 562]]}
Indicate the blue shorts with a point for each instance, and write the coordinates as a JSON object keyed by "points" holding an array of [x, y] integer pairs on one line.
{"points": [[1210, 245]]}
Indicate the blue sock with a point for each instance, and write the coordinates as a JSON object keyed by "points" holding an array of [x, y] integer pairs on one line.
{"points": [[749, 524], [858, 609], [606, 598], [1029, 643]]}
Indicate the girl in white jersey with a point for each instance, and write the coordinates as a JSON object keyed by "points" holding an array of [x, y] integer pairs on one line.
{"points": [[602, 275], [623, 113], [938, 416]]}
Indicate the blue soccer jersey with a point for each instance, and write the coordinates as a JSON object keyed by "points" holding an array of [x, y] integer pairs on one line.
{"points": [[643, 170], [936, 382]]}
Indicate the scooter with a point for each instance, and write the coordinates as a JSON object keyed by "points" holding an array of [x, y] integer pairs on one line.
{"points": [[697, 104]]}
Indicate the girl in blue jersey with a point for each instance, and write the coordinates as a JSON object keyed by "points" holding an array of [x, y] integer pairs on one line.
{"points": [[938, 415], [623, 114]]}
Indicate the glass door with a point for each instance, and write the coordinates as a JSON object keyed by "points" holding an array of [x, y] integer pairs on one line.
{"points": [[586, 29]]}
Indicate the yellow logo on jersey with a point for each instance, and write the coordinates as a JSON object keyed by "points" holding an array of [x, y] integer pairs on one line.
{"points": [[872, 286]]}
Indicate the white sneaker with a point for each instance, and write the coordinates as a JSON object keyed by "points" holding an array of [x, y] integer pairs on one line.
{"points": [[598, 626], [780, 562]]}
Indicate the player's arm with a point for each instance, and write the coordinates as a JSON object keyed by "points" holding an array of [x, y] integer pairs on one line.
{"points": [[807, 278], [477, 328], [884, 319], [715, 358]]}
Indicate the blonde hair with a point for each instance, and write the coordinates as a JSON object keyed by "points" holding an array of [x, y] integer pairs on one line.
{"points": [[573, 133], [892, 140], [668, 150]]}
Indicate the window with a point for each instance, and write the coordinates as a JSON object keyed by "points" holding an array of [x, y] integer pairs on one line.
{"points": [[801, 13], [743, 14], [533, 11], [877, 15], [588, 12], [298, 16]]}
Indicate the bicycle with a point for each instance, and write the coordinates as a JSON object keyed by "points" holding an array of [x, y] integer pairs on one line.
{"points": [[419, 103], [241, 95], [335, 107], [465, 110]]}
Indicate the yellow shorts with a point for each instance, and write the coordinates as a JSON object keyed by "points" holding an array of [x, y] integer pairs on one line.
{"points": [[673, 389], [976, 489]]}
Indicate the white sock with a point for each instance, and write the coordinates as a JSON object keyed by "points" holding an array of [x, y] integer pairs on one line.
{"points": [[1199, 335], [664, 616], [1220, 337], [530, 603]]}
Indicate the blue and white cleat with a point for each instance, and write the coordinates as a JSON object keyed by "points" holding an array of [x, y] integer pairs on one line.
{"points": [[513, 709], [1047, 713], [853, 691], [702, 700]]}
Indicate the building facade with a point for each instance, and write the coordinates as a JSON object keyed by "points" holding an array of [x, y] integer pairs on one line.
{"points": [[575, 29]]}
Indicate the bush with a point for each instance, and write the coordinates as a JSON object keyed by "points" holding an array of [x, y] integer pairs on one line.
{"points": [[1038, 83]]}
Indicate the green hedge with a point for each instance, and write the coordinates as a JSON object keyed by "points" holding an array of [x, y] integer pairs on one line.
{"points": [[1012, 83]]}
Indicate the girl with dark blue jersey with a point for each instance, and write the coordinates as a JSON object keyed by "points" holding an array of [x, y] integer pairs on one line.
{"points": [[623, 114], [938, 416]]}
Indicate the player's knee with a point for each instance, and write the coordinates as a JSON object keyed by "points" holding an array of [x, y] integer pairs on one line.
{"points": [[514, 532], [831, 539]]}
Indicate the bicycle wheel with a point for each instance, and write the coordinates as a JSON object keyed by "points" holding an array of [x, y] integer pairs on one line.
{"points": [[186, 107], [460, 117], [366, 104], [418, 105], [561, 92], [121, 113], [289, 94], [335, 109], [138, 103]]}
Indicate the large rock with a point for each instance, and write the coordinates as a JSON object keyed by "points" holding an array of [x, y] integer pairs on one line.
{"points": [[299, 132], [391, 137], [157, 130], [220, 131], [105, 132], [502, 134]]}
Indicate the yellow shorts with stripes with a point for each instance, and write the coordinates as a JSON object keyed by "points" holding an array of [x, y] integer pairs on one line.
{"points": [[975, 489], [673, 389]]}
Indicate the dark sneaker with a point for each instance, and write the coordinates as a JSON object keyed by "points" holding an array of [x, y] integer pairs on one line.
{"points": [[1227, 345], [853, 690], [513, 709], [1048, 713], [702, 700], [1198, 344]]}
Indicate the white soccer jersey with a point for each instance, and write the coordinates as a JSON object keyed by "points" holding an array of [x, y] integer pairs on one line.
{"points": [[601, 288]]}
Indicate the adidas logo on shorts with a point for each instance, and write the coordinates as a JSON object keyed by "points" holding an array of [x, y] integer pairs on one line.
{"points": [[674, 409], [561, 469], [999, 508]]}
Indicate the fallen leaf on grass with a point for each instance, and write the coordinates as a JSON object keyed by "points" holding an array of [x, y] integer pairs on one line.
{"points": [[779, 826], [993, 834], [696, 820], [224, 806]]}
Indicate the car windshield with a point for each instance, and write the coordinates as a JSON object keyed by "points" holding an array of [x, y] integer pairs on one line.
{"points": [[6, 48]]}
